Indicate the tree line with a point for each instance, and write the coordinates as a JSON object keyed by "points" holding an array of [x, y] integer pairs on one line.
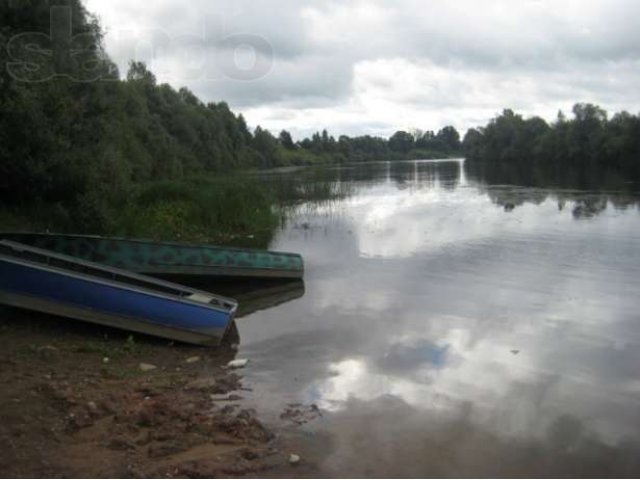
{"points": [[416, 144], [589, 140]]}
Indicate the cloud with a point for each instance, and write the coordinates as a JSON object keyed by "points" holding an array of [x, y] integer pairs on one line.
{"points": [[360, 67]]}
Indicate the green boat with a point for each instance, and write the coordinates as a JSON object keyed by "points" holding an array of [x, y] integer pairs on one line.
{"points": [[168, 259]]}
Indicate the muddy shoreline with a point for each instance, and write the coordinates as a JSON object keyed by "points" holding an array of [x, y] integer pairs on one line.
{"points": [[85, 401]]}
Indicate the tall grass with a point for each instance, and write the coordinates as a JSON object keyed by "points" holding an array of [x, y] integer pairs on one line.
{"points": [[224, 211]]}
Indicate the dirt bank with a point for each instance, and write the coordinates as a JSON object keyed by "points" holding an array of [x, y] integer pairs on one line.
{"points": [[85, 401]]}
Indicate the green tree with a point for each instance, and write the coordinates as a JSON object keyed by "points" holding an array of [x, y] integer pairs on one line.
{"points": [[450, 138], [401, 142], [266, 145], [286, 141]]}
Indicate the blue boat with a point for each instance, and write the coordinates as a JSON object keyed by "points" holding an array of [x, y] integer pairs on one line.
{"points": [[44, 281]]}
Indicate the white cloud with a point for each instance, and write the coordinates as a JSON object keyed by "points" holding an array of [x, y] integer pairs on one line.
{"points": [[372, 67]]}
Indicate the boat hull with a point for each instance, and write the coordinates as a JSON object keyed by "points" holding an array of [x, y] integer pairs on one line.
{"points": [[168, 258], [59, 292]]}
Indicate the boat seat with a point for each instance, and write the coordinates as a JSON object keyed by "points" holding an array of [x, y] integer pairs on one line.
{"points": [[199, 297]]}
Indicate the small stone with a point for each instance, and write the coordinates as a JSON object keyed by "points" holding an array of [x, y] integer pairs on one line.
{"points": [[146, 367], [164, 449], [105, 360], [201, 384], [47, 348], [249, 454], [119, 443], [93, 408], [294, 459], [47, 351], [193, 359], [238, 363]]}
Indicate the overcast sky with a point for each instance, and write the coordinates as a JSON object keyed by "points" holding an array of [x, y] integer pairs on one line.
{"points": [[372, 67]]}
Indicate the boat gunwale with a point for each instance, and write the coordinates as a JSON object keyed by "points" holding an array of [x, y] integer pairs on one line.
{"points": [[170, 243], [226, 304], [219, 270]]}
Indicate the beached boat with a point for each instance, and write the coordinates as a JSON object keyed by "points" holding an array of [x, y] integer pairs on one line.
{"points": [[168, 259], [37, 279]]}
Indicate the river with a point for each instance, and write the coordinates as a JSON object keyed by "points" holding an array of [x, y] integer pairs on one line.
{"points": [[455, 322]]}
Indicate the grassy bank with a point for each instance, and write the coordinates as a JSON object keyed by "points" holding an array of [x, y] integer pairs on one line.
{"points": [[223, 211], [212, 210]]}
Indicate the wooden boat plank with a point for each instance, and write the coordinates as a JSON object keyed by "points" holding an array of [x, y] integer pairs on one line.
{"points": [[216, 271], [168, 258]]}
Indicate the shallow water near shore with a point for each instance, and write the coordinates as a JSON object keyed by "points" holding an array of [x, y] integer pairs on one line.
{"points": [[456, 322]]}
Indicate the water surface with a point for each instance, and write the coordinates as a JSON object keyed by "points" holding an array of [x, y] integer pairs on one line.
{"points": [[456, 321]]}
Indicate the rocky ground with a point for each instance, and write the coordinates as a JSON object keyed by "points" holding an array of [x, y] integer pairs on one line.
{"points": [[83, 401]]}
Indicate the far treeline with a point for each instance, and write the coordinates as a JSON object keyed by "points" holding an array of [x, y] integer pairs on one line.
{"points": [[589, 141]]}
